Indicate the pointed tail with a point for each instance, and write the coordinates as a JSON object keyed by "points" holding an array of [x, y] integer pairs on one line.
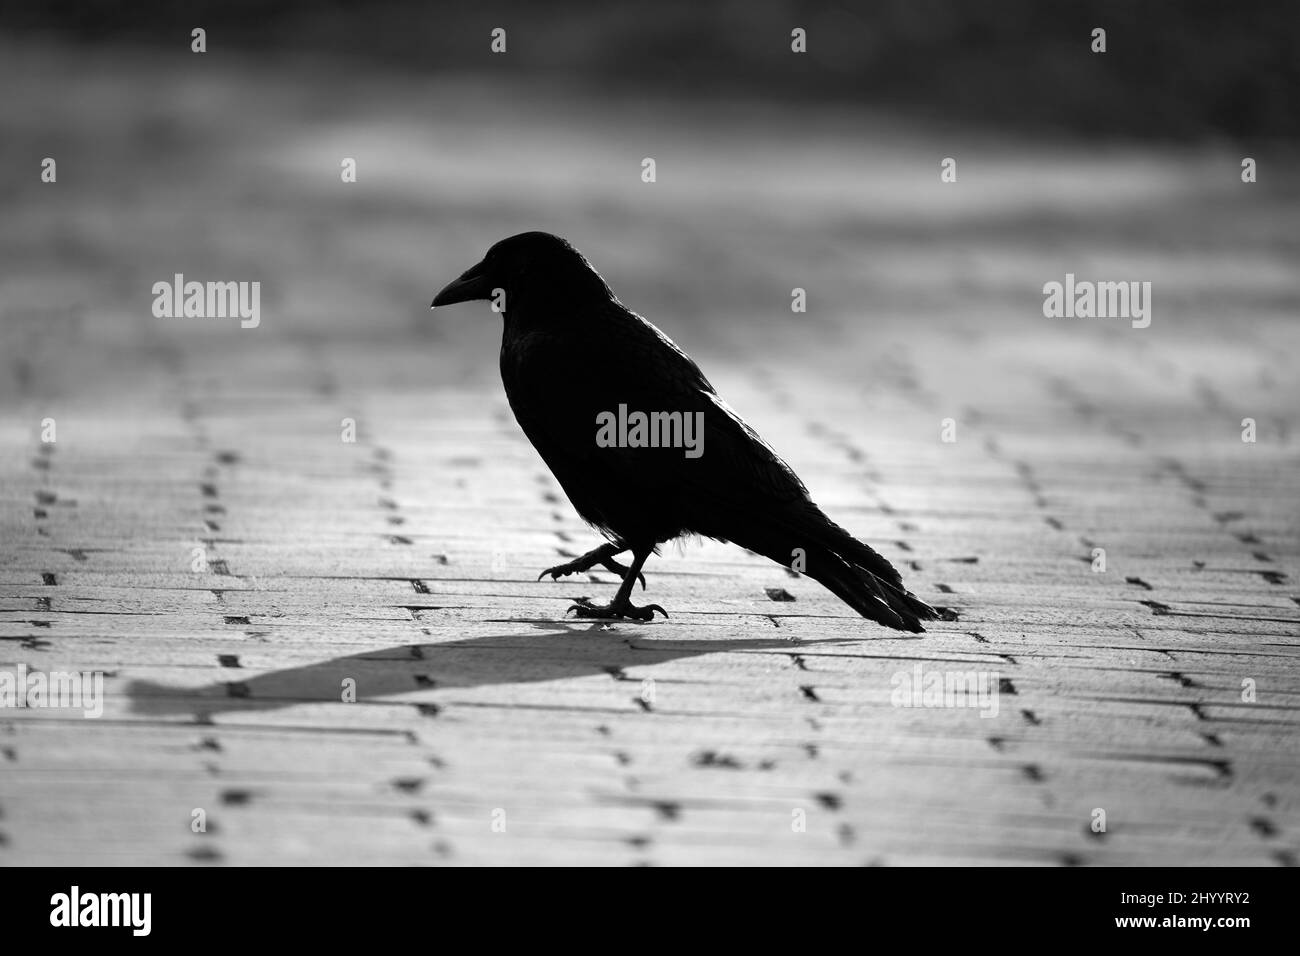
{"points": [[851, 570]]}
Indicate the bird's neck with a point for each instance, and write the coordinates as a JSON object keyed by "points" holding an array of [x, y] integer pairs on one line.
{"points": [[553, 307]]}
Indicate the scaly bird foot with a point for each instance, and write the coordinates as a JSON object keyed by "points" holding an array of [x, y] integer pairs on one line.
{"points": [[586, 563], [615, 609]]}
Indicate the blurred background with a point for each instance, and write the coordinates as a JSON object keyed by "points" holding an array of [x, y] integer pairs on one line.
{"points": [[775, 171], [1176, 69]]}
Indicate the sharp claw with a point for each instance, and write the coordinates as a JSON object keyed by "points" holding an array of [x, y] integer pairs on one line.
{"points": [[646, 613]]}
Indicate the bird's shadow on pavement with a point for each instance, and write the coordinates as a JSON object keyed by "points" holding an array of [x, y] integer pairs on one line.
{"points": [[518, 657]]}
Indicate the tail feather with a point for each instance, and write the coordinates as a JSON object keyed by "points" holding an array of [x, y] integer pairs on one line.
{"points": [[851, 570], [869, 595]]}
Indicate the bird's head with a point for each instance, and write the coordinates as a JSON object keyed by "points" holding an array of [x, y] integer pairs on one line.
{"points": [[532, 264]]}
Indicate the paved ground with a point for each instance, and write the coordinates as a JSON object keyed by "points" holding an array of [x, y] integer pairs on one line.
{"points": [[200, 531]]}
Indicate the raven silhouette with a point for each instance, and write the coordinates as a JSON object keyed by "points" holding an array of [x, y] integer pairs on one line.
{"points": [[575, 360]]}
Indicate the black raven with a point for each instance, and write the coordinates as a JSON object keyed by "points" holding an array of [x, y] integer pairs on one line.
{"points": [[642, 444]]}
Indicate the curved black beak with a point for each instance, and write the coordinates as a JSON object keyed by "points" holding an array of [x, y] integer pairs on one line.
{"points": [[472, 285]]}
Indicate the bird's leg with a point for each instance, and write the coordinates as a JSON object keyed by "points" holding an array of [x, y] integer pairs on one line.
{"points": [[621, 606], [604, 556]]}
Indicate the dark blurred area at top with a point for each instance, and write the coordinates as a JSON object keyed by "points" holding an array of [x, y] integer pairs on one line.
{"points": [[1174, 69]]}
